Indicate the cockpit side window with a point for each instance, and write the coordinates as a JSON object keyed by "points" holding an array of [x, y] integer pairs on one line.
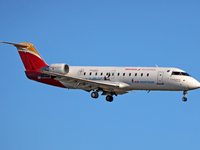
{"points": [[185, 74], [180, 73]]}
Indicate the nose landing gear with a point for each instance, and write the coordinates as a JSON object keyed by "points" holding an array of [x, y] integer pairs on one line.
{"points": [[184, 96]]}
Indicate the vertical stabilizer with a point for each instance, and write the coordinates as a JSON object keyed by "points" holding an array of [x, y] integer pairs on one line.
{"points": [[31, 59]]}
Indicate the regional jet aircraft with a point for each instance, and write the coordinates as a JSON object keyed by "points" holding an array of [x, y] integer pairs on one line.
{"points": [[108, 80]]}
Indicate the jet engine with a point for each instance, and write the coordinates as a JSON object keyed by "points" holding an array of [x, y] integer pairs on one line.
{"points": [[56, 68]]}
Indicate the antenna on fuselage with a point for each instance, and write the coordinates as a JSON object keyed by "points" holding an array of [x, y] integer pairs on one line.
{"points": [[156, 65]]}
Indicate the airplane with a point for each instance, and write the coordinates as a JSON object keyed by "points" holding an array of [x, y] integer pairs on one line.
{"points": [[108, 80]]}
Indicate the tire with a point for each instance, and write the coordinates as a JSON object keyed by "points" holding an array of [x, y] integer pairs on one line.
{"points": [[94, 94], [109, 98], [184, 99]]}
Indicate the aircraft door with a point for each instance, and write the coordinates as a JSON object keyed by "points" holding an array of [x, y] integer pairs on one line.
{"points": [[160, 78]]}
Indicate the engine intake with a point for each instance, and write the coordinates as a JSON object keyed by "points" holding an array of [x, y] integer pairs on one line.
{"points": [[56, 68]]}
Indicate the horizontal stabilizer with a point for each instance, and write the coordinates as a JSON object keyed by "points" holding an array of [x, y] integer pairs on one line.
{"points": [[15, 44]]}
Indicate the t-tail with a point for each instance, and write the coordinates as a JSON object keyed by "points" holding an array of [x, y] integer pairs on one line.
{"points": [[33, 61]]}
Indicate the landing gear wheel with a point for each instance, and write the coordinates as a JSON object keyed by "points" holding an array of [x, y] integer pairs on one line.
{"points": [[184, 94], [109, 98], [184, 99], [94, 94]]}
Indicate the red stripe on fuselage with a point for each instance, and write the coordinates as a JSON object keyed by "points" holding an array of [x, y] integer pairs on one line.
{"points": [[43, 78]]}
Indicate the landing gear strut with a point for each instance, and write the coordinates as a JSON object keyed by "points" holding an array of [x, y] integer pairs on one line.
{"points": [[184, 96], [94, 94]]}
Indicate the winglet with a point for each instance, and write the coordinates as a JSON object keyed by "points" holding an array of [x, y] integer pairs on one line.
{"points": [[15, 44]]}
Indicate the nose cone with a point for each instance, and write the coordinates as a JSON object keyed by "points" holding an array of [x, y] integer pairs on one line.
{"points": [[194, 84]]}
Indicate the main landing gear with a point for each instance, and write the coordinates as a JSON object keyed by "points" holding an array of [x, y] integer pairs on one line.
{"points": [[184, 96], [109, 98], [95, 95]]}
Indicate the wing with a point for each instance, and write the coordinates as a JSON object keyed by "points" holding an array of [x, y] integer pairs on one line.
{"points": [[89, 85]]}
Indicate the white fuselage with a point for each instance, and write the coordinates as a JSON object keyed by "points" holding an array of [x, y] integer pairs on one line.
{"points": [[138, 78]]}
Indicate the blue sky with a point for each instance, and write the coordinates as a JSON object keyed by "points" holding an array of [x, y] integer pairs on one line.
{"points": [[99, 33]]}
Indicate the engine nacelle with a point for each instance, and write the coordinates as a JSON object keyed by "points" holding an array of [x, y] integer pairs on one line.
{"points": [[56, 68]]}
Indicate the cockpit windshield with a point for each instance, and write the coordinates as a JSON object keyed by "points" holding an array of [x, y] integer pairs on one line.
{"points": [[180, 73]]}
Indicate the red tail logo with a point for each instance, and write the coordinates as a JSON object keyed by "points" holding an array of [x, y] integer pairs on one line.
{"points": [[30, 57]]}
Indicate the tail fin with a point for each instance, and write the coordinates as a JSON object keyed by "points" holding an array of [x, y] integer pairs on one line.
{"points": [[29, 55]]}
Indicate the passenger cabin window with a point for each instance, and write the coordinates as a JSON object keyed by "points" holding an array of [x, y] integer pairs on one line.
{"points": [[135, 74], [129, 74], [96, 74], [180, 73], [101, 73], [123, 74], [118, 74], [90, 73], [141, 74], [113, 74], [147, 74], [84, 73]]}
